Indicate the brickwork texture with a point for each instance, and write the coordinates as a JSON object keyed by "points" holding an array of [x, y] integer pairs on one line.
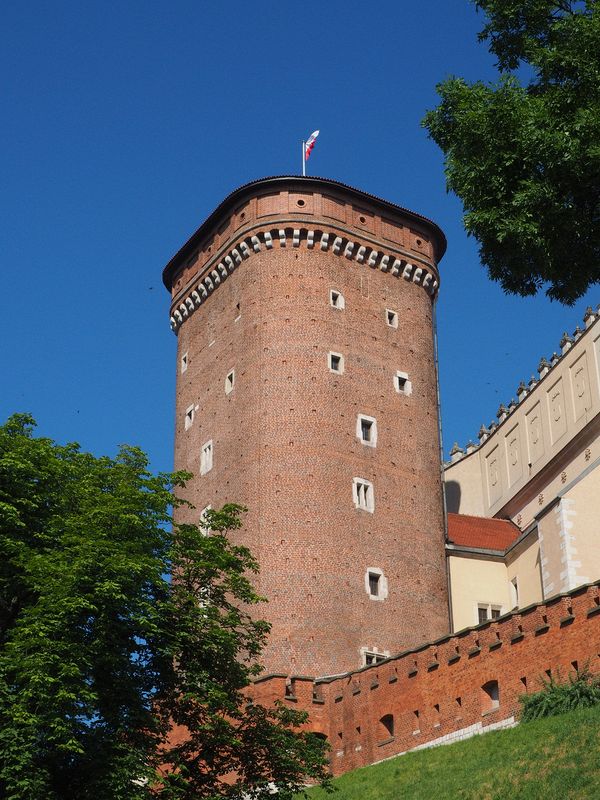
{"points": [[285, 440]]}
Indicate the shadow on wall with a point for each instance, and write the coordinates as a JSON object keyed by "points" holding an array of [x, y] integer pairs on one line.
{"points": [[452, 490]]}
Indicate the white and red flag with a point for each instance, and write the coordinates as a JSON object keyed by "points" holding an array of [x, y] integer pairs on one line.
{"points": [[310, 143]]}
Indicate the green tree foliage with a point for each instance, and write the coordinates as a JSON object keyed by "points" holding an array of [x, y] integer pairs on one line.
{"points": [[100, 652], [582, 690], [524, 158]]}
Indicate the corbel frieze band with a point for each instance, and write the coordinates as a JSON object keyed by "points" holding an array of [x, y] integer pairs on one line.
{"points": [[342, 246]]}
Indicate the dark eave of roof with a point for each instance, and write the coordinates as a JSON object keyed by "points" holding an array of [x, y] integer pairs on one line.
{"points": [[236, 196]]}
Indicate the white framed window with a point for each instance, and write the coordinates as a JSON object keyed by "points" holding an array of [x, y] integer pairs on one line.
{"points": [[401, 383], [230, 381], [487, 611], [336, 363], [336, 299], [363, 494], [206, 457], [189, 417], [184, 362], [376, 585], [391, 318], [371, 655], [366, 429], [203, 523]]}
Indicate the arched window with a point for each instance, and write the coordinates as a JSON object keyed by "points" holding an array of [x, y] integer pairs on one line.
{"points": [[387, 725], [490, 697]]}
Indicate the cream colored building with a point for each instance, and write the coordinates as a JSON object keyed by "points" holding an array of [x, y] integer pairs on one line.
{"points": [[537, 471]]}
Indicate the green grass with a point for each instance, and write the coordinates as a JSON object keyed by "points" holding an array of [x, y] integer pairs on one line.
{"points": [[549, 759]]}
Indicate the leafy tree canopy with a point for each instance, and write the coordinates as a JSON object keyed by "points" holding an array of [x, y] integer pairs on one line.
{"points": [[524, 158], [101, 654]]}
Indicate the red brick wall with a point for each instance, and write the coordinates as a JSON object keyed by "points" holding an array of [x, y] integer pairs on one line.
{"points": [[285, 439], [549, 637]]}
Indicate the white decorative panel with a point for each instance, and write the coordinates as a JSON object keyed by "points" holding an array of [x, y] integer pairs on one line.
{"points": [[580, 385], [535, 433], [556, 411], [494, 475], [514, 460]]}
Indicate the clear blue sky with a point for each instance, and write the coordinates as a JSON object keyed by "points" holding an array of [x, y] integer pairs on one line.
{"points": [[124, 124]]}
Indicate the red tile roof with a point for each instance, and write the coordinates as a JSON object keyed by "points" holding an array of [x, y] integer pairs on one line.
{"points": [[490, 534]]}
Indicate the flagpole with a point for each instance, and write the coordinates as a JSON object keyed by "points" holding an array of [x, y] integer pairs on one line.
{"points": [[303, 159]]}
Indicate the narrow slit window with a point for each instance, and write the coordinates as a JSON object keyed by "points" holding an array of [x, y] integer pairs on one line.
{"points": [[363, 495], [374, 581], [230, 382], [184, 362], [206, 457], [336, 299], [189, 417], [402, 384], [391, 318], [366, 429], [336, 363], [204, 523]]}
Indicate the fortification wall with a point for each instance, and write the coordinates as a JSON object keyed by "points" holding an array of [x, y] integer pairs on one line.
{"points": [[445, 690]]}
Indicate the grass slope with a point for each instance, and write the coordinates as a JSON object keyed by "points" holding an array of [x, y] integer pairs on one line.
{"points": [[554, 759]]}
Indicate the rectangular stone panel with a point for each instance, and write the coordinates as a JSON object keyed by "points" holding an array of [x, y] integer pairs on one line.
{"points": [[493, 471], [419, 242], [267, 204], [333, 208], [301, 203], [392, 232], [514, 460], [580, 386], [363, 219], [557, 413], [535, 433]]}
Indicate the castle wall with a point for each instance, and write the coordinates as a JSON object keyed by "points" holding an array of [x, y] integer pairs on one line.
{"points": [[284, 435], [445, 690], [540, 443]]}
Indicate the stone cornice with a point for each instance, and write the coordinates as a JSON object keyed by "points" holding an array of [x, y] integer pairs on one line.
{"points": [[330, 237]]}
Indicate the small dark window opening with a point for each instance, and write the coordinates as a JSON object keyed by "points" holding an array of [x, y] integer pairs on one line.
{"points": [[366, 428], [495, 613], [335, 362], [387, 721], [490, 696], [374, 584], [401, 382], [482, 613]]}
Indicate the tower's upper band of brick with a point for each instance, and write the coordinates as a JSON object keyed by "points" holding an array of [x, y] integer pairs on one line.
{"points": [[316, 213]]}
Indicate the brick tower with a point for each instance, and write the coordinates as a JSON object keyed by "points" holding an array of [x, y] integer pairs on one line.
{"points": [[306, 390]]}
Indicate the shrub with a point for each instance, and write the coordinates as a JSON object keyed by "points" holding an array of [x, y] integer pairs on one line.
{"points": [[580, 691]]}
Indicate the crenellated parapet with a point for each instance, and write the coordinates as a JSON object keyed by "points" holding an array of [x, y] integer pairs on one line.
{"points": [[302, 213], [526, 388], [458, 686]]}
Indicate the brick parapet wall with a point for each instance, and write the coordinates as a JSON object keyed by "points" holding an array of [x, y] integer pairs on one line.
{"points": [[443, 681]]}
